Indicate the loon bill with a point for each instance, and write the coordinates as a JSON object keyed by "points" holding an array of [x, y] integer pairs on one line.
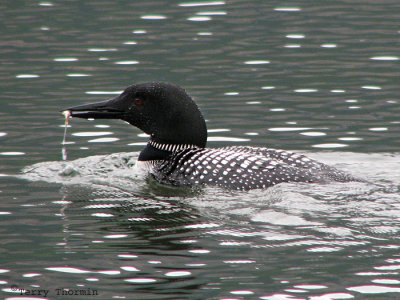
{"points": [[176, 152]]}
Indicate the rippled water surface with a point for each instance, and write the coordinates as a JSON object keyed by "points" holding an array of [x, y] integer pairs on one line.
{"points": [[308, 76]]}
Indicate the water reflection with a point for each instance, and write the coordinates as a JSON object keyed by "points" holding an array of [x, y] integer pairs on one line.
{"points": [[127, 62], [287, 9], [27, 76], [124, 230], [66, 59], [201, 3], [78, 75], [199, 19], [92, 224], [385, 58], [153, 17]]}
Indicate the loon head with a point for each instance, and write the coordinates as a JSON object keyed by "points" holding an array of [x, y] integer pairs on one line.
{"points": [[162, 110]]}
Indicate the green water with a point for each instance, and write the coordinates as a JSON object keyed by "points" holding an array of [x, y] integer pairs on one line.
{"points": [[309, 76]]}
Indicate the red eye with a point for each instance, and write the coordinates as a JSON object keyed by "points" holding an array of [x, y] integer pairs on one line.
{"points": [[138, 102]]}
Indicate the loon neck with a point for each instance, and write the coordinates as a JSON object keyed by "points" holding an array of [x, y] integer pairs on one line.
{"points": [[170, 147], [161, 151]]}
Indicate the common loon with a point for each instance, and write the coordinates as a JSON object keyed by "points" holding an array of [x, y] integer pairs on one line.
{"points": [[176, 152]]}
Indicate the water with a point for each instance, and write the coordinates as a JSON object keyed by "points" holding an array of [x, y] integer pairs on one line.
{"points": [[320, 79]]}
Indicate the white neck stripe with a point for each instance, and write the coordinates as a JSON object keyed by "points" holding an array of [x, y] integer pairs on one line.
{"points": [[171, 147]]}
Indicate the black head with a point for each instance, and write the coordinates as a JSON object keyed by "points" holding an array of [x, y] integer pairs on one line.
{"points": [[162, 110]]}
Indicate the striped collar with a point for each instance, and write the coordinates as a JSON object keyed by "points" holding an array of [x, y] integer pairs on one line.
{"points": [[171, 147]]}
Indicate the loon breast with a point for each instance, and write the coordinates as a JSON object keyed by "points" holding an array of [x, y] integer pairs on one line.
{"points": [[242, 168]]}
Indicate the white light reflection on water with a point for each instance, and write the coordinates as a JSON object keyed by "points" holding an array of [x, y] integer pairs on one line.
{"points": [[65, 59], [256, 62], [89, 133], [243, 261], [92, 279], [200, 3], [332, 296], [130, 43], [127, 62], [129, 268], [310, 286], [104, 140], [138, 144], [29, 275], [211, 13], [200, 251], [102, 49], [103, 92], [295, 36], [178, 273], [78, 75], [109, 272], [283, 129], [102, 215], [205, 33], [371, 87], [46, 3], [386, 281], [328, 45], [153, 17], [350, 138], [376, 273], [374, 289], [139, 31], [385, 58], [378, 129], [202, 225], [199, 18], [115, 236], [218, 130], [329, 145], [68, 270], [27, 76], [280, 296], [292, 46], [288, 9], [226, 139], [140, 280], [313, 133], [304, 90], [242, 292], [324, 249], [127, 256], [12, 153]]}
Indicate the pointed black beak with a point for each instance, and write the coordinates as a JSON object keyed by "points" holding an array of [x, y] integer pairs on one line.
{"points": [[99, 110]]}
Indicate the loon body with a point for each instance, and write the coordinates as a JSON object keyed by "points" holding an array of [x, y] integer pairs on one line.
{"points": [[176, 152]]}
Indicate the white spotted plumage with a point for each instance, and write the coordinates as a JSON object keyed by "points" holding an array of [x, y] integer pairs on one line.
{"points": [[241, 168]]}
